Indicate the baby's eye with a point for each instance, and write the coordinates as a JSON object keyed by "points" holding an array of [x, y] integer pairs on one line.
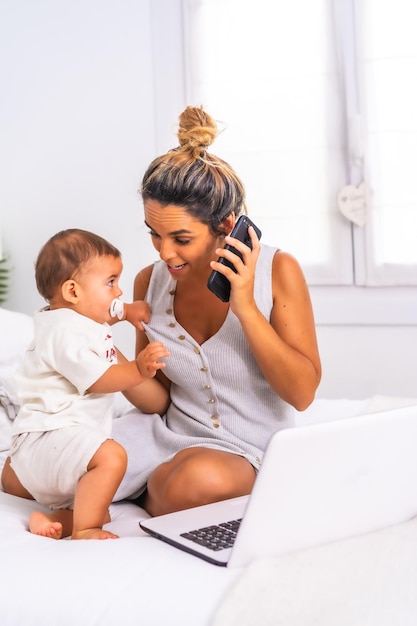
{"points": [[111, 282]]}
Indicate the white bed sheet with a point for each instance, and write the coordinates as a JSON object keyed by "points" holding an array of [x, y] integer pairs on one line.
{"points": [[369, 580], [131, 581], [135, 580]]}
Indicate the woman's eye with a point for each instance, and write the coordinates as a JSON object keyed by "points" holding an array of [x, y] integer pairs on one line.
{"points": [[180, 242]]}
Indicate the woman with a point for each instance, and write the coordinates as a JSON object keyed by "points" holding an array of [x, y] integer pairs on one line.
{"points": [[235, 369]]}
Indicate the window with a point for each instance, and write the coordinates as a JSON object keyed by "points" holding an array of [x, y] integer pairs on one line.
{"points": [[277, 90], [387, 64], [315, 95], [314, 99]]}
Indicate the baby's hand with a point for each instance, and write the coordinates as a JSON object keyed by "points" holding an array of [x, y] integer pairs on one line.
{"points": [[148, 359], [137, 312]]}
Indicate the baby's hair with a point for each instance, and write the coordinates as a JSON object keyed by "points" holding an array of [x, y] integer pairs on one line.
{"points": [[65, 254], [190, 177]]}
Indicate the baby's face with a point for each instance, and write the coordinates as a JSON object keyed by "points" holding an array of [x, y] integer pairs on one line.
{"points": [[98, 285]]}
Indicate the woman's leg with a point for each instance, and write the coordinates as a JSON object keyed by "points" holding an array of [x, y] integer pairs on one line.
{"points": [[197, 476]]}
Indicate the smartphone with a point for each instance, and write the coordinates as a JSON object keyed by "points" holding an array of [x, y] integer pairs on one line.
{"points": [[217, 283]]}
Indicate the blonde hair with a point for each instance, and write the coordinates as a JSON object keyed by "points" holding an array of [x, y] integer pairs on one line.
{"points": [[191, 177]]}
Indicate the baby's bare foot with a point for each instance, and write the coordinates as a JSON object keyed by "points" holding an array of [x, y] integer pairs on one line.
{"points": [[94, 533], [41, 524]]}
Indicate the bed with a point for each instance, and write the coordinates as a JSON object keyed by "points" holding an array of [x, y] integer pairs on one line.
{"points": [[137, 580]]}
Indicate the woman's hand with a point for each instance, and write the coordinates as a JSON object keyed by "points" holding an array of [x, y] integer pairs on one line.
{"points": [[241, 281]]}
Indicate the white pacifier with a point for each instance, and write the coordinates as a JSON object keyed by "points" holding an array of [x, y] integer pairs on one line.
{"points": [[117, 309]]}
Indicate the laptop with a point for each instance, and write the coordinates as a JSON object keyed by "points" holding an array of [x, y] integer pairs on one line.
{"points": [[317, 484]]}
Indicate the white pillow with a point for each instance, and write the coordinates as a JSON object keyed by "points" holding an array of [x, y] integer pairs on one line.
{"points": [[16, 333]]}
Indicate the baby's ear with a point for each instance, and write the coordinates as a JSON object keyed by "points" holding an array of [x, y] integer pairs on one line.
{"points": [[70, 291]]}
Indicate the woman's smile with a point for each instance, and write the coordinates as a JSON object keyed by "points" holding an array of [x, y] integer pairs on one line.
{"points": [[174, 269]]}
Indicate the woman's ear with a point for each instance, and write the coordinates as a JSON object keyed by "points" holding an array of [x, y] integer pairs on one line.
{"points": [[226, 226], [70, 291]]}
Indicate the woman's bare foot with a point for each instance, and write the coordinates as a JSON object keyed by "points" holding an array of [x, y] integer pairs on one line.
{"points": [[44, 525], [94, 533]]}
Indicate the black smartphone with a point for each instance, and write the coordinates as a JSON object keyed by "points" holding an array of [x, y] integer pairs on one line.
{"points": [[217, 283]]}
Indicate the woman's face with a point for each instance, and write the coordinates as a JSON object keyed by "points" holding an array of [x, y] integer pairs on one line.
{"points": [[184, 243]]}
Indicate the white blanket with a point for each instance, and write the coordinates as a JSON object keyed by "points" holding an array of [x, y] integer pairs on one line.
{"points": [[369, 580]]}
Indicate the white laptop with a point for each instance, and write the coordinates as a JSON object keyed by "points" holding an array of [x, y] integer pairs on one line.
{"points": [[317, 484]]}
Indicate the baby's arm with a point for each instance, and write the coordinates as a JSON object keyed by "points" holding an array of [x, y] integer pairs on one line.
{"points": [[126, 374], [134, 312], [151, 396], [148, 361], [137, 312]]}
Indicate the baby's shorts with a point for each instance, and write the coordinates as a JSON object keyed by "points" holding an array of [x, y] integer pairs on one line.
{"points": [[50, 464]]}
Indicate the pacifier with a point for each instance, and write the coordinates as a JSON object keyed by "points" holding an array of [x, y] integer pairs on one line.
{"points": [[117, 309]]}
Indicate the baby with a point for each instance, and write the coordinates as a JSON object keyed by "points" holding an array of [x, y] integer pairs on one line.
{"points": [[62, 454]]}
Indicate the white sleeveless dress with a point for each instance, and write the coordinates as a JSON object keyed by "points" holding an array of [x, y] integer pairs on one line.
{"points": [[219, 397]]}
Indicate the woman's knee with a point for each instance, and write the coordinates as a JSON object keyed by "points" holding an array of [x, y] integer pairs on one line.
{"points": [[198, 476], [218, 472]]}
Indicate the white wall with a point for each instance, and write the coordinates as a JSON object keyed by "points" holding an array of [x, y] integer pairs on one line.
{"points": [[367, 339], [361, 361], [78, 128]]}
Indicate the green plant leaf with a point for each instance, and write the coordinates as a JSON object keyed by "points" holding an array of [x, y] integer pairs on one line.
{"points": [[4, 279]]}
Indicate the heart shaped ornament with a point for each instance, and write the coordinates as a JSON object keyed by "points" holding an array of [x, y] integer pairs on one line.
{"points": [[351, 201]]}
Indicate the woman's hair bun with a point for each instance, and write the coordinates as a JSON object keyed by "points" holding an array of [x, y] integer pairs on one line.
{"points": [[197, 130]]}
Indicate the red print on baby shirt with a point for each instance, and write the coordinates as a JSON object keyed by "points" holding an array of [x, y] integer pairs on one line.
{"points": [[111, 354]]}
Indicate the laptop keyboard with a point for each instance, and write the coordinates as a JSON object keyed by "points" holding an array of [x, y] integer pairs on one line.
{"points": [[216, 537]]}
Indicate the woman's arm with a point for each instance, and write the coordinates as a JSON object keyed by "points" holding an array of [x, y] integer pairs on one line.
{"points": [[140, 288], [285, 346], [151, 396]]}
